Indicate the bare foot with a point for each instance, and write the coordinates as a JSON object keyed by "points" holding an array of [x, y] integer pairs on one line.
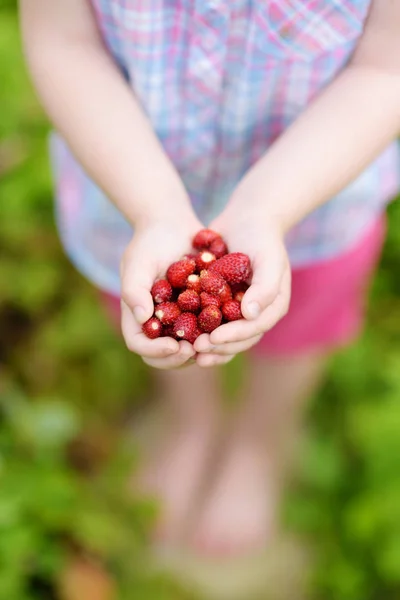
{"points": [[174, 469], [239, 516]]}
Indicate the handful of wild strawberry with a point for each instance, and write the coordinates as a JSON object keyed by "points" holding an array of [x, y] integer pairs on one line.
{"points": [[200, 292]]}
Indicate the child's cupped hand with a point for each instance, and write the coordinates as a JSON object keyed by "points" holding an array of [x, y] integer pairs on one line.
{"points": [[266, 301], [151, 251]]}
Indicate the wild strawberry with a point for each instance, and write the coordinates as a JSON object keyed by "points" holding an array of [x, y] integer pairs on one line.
{"points": [[167, 312], [204, 238], [193, 336], [185, 326], [239, 290], [218, 247], [189, 301], [239, 296], [211, 282], [231, 310], [204, 260], [209, 319], [226, 293], [178, 272], [193, 283], [207, 299], [234, 267], [168, 331], [152, 328], [161, 291]]}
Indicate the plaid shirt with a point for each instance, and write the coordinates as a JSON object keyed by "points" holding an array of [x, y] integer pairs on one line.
{"points": [[220, 80]]}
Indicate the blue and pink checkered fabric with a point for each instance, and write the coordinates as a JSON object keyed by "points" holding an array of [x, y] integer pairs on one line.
{"points": [[220, 81]]}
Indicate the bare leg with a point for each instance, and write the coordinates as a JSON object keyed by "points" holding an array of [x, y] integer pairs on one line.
{"points": [[190, 404], [240, 513]]}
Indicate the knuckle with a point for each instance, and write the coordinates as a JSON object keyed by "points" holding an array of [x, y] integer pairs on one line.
{"points": [[221, 351], [269, 297], [164, 352]]}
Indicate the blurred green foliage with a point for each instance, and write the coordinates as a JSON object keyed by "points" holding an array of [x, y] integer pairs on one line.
{"points": [[66, 383]]}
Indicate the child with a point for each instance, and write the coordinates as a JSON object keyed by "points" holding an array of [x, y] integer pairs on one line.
{"points": [[272, 121]]}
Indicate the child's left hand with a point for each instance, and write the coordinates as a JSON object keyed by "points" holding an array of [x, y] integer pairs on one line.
{"points": [[266, 301]]}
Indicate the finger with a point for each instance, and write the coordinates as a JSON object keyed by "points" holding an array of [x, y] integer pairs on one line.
{"points": [[211, 360], [237, 331], [265, 285], [233, 347], [203, 344], [137, 342], [137, 278], [183, 357]]}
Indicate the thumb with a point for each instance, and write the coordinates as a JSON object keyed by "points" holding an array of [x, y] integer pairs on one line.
{"points": [[264, 288], [137, 279]]}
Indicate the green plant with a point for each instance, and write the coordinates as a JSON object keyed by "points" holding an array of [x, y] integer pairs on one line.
{"points": [[63, 463]]}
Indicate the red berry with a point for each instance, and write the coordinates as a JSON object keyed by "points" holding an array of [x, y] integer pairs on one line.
{"points": [[152, 328], [189, 301], [168, 331], [226, 293], [209, 319], [204, 260], [185, 326], [231, 310], [218, 248], [193, 336], [209, 300], [239, 296], [178, 272], [161, 291], [193, 283], [204, 238], [167, 312], [211, 283], [234, 268], [239, 290]]}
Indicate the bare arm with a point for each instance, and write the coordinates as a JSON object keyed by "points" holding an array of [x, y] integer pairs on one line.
{"points": [[94, 109], [92, 106], [336, 137], [352, 121]]}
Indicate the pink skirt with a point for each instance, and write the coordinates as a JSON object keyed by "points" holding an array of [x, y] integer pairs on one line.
{"points": [[328, 301]]}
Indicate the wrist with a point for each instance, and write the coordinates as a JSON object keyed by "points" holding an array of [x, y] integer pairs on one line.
{"points": [[174, 209], [176, 216], [250, 205], [270, 201]]}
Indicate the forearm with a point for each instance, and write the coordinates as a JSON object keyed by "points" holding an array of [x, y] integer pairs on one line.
{"points": [[93, 108], [327, 147]]}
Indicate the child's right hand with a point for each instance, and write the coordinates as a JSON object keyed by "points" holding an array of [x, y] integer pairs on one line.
{"points": [[148, 256]]}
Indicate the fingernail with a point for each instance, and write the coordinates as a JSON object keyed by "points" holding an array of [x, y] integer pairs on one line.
{"points": [[254, 309], [139, 314]]}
